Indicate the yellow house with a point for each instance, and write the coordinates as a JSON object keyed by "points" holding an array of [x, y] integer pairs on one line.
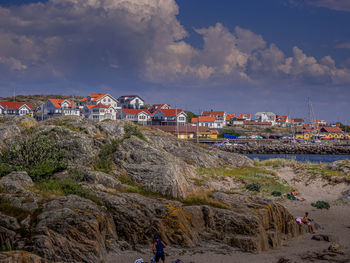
{"points": [[332, 133]]}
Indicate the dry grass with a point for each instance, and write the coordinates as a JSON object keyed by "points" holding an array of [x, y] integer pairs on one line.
{"points": [[100, 135]]}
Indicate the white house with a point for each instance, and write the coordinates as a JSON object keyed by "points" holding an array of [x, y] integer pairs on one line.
{"points": [[60, 107], [205, 121], [16, 108], [266, 117], [220, 117], [169, 117], [140, 116], [100, 98], [100, 112], [131, 102]]}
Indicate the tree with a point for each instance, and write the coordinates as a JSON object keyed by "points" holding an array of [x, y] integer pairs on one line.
{"points": [[190, 115]]}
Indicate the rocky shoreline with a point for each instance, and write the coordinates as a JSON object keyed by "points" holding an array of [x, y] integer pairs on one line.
{"points": [[288, 149]]}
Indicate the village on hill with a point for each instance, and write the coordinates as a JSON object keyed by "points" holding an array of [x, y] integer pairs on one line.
{"points": [[183, 124]]}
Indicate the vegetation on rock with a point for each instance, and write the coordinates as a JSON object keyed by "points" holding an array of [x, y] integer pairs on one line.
{"points": [[321, 205], [253, 187], [38, 155]]}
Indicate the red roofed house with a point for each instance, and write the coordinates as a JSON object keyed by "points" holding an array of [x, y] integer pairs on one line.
{"points": [[131, 102], [103, 98], [205, 121], [156, 107], [16, 108], [220, 117], [140, 116], [331, 133], [100, 112], [169, 117], [282, 121], [60, 107]]}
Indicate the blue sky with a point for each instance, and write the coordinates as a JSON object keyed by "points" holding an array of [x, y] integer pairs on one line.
{"points": [[239, 56]]}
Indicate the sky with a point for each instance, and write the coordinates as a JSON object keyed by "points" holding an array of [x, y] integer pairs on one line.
{"points": [[240, 56]]}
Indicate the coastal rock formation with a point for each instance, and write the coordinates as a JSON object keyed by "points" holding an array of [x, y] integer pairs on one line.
{"points": [[122, 184], [20, 257], [287, 149]]}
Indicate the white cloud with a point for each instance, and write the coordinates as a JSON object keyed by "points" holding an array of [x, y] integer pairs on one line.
{"points": [[339, 5], [144, 39]]}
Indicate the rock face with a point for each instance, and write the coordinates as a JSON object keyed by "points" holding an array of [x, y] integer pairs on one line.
{"points": [[143, 193], [20, 257]]}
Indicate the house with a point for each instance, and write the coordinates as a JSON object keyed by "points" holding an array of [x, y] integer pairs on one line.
{"points": [[188, 131], [100, 112], [131, 102], [229, 118], [16, 108], [59, 107], [266, 117], [238, 120], [282, 120], [220, 117], [205, 121], [257, 124], [321, 123], [331, 133], [297, 121], [140, 116], [169, 117], [100, 98], [156, 107]]}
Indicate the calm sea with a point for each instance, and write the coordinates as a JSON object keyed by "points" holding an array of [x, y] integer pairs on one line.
{"points": [[314, 158]]}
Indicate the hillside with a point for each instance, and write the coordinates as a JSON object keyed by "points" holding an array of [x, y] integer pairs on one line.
{"points": [[73, 190]]}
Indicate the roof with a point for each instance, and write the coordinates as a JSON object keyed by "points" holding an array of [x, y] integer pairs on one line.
{"points": [[331, 129], [280, 118], [14, 105], [297, 120], [95, 97], [157, 106], [181, 129], [203, 118], [135, 111], [102, 106], [57, 102], [171, 112], [213, 113], [256, 123]]}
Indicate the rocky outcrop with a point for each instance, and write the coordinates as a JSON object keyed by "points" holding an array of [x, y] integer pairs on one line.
{"points": [[287, 149], [149, 178], [20, 257]]}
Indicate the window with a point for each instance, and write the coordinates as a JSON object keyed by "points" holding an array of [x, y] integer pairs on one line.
{"points": [[181, 118], [109, 100], [104, 100]]}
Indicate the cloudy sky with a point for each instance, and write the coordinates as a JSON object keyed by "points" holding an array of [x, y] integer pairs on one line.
{"points": [[240, 56]]}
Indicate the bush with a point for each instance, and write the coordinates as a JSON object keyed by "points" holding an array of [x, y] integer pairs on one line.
{"points": [[103, 162], [253, 187], [133, 130], [291, 197], [66, 186], [321, 205], [276, 193], [39, 156]]}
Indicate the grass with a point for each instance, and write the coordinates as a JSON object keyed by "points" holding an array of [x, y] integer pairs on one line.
{"points": [[266, 178], [194, 200], [8, 209], [64, 187], [103, 161], [316, 169], [274, 163]]}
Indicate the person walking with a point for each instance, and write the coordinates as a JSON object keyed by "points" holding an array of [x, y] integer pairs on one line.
{"points": [[158, 249]]}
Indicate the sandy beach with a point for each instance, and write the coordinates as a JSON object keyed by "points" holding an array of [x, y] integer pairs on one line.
{"points": [[334, 222]]}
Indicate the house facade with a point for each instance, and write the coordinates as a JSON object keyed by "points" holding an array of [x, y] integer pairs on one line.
{"points": [[282, 120], [188, 131], [16, 108], [205, 121], [131, 102], [100, 112], [156, 107], [169, 117], [220, 117], [59, 107], [266, 117], [140, 116]]}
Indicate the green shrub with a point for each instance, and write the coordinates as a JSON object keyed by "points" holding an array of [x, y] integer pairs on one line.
{"points": [[291, 197], [39, 156], [103, 162], [276, 193], [253, 187], [321, 205], [66, 186], [133, 130]]}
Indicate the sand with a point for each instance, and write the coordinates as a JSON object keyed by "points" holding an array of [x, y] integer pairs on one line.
{"points": [[335, 222]]}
